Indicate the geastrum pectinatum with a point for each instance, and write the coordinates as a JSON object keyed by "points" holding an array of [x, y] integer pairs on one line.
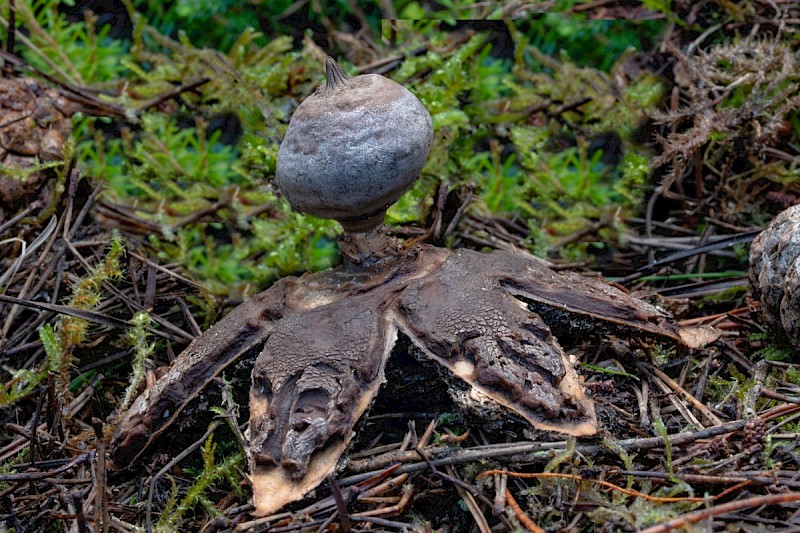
{"points": [[323, 339]]}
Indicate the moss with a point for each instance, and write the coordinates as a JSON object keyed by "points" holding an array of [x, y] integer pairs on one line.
{"points": [[61, 340], [497, 125], [213, 472]]}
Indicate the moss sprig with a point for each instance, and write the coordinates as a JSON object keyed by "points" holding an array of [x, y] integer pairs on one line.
{"points": [[212, 473], [61, 340], [137, 336]]}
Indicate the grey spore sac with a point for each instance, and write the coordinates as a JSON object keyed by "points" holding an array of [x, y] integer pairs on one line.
{"points": [[353, 148]]}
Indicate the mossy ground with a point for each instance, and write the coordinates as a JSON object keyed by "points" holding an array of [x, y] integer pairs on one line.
{"points": [[596, 143]]}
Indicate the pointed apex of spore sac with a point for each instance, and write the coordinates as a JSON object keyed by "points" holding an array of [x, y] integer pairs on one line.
{"points": [[336, 76]]}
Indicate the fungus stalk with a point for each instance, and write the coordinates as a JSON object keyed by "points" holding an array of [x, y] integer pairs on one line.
{"points": [[368, 249]]}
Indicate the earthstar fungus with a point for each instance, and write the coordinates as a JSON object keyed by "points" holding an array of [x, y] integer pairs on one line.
{"points": [[325, 338]]}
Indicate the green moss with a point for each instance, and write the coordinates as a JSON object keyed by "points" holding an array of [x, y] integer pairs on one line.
{"points": [[213, 472], [481, 109], [61, 340], [498, 125], [80, 50], [595, 43], [733, 295]]}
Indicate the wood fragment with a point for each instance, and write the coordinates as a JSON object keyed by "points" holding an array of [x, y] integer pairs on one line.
{"points": [[674, 399], [689, 397], [774, 395], [398, 506], [447, 456], [101, 515], [341, 505]]}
